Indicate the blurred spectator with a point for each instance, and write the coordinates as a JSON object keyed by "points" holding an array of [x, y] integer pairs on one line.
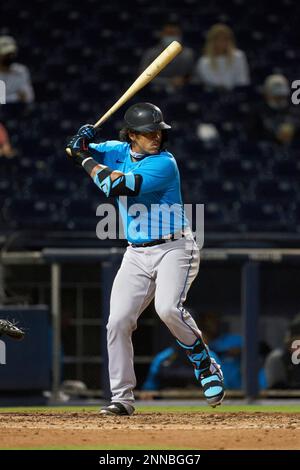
{"points": [[170, 367], [280, 371], [228, 347], [222, 65], [15, 76], [178, 72], [275, 119], [6, 149]]}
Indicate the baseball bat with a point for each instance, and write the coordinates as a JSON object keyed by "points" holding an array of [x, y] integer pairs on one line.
{"points": [[158, 64], [149, 73]]}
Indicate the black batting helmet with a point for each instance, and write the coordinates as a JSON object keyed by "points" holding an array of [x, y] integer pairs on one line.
{"points": [[145, 117]]}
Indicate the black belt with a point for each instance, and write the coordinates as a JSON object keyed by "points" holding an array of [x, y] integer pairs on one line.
{"points": [[172, 237]]}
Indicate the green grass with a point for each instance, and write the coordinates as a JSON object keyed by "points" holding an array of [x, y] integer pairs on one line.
{"points": [[163, 409], [221, 409]]}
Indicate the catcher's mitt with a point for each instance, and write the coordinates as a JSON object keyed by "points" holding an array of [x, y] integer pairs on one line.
{"points": [[11, 330]]}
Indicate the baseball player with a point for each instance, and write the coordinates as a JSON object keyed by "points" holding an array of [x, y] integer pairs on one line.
{"points": [[162, 258]]}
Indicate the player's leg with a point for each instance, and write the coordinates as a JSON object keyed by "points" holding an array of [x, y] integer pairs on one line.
{"points": [[177, 265], [176, 270], [132, 291]]}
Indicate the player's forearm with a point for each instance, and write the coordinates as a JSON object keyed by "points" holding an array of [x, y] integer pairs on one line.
{"points": [[92, 167], [101, 174], [112, 183]]}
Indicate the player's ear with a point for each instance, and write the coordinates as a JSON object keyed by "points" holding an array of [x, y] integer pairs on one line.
{"points": [[124, 135], [131, 136]]}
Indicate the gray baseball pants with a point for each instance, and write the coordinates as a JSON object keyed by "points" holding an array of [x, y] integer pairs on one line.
{"points": [[164, 272]]}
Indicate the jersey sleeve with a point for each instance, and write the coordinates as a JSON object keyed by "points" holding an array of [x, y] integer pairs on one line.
{"points": [[157, 173], [105, 152]]}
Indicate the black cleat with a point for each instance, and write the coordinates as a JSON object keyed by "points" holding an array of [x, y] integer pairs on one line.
{"points": [[117, 409]]}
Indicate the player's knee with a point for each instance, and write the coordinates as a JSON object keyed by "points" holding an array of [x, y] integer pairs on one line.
{"points": [[165, 310], [120, 325]]}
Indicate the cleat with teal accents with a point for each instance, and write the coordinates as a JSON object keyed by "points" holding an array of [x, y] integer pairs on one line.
{"points": [[207, 372], [213, 384]]}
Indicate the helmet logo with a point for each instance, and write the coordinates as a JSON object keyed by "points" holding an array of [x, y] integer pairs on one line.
{"points": [[156, 116]]}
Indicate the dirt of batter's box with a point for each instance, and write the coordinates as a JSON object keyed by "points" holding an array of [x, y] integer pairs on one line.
{"points": [[256, 430]]}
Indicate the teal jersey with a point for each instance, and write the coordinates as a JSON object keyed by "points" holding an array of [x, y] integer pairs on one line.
{"points": [[158, 210]]}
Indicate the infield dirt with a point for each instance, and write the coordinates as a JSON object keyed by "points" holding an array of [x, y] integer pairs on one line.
{"points": [[256, 430]]}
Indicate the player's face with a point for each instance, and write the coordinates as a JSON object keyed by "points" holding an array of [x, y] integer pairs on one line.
{"points": [[146, 142]]}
